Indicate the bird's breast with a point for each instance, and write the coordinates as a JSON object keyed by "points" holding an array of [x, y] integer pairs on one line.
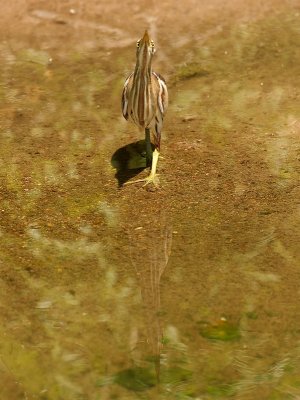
{"points": [[142, 102]]}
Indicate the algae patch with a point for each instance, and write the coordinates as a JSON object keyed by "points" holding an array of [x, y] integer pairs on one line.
{"points": [[222, 330]]}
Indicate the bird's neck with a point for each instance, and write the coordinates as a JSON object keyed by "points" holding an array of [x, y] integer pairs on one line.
{"points": [[143, 69]]}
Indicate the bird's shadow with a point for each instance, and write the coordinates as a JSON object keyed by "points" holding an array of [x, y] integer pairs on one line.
{"points": [[129, 161]]}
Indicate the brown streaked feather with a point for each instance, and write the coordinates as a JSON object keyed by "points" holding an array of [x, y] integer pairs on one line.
{"points": [[126, 90], [154, 110]]}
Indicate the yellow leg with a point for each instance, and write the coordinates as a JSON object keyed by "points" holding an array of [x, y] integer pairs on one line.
{"points": [[152, 178]]}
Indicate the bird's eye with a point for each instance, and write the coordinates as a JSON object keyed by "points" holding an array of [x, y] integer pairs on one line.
{"points": [[152, 43], [138, 43]]}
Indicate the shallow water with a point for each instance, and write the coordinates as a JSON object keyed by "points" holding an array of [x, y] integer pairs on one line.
{"points": [[120, 292]]}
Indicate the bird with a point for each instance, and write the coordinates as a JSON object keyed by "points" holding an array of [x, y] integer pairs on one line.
{"points": [[145, 101]]}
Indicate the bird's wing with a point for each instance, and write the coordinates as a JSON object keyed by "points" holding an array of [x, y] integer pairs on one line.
{"points": [[125, 94], [163, 97]]}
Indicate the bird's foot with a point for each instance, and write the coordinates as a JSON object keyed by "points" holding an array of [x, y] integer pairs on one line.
{"points": [[152, 178]]}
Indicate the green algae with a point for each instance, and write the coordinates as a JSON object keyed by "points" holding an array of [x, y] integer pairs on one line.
{"points": [[136, 379], [223, 330], [219, 391], [188, 71], [35, 56]]}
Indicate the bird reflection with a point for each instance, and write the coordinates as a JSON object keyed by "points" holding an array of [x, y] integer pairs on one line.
{"points": [[150, 252]]}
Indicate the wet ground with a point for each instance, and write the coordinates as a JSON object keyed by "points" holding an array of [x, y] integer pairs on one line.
{"points": [[190, 291]]}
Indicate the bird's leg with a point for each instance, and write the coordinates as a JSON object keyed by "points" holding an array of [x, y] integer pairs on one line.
{"points": [[148, 146], [152, 177]]}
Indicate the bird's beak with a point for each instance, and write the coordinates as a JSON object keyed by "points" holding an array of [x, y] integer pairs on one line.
{"points": [[146, 38]]}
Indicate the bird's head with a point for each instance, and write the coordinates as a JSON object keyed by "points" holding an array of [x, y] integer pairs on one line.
{"points": [[145, 47]]}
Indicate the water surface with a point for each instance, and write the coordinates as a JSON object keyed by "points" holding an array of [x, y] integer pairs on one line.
{"points": [[120, 292]]}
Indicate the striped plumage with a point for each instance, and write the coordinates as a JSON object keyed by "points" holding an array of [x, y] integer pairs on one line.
{"points": [[145, 100]]}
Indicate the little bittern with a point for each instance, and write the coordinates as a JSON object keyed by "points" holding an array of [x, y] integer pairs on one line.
{"points": [[145, 100]]}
